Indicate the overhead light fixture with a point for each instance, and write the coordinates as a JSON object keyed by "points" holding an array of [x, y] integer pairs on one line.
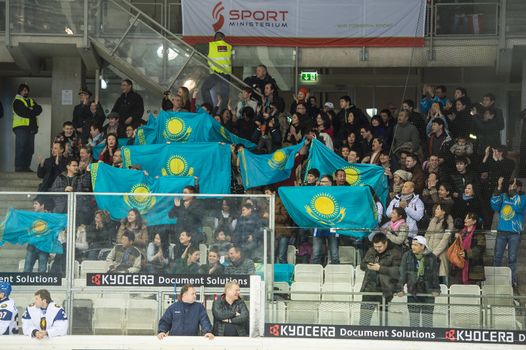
{"points": [[189, 84], [103, 83], [171, 53]]}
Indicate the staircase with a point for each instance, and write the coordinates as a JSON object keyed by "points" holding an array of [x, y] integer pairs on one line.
{"points": [[10, 255], [145, 51]]}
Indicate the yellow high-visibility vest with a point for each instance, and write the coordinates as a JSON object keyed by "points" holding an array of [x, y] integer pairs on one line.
{"points": [[220, 53], [18, 120]]}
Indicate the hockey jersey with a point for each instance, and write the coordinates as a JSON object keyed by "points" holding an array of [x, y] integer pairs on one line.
{"points": [[8, 317], [53, 320]]}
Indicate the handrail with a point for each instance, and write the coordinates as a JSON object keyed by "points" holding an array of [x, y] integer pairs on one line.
{"points": [[166, 32]]}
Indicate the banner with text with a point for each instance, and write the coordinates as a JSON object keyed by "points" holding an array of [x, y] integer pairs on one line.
{"points": [[452, 335], [306, 23], [31, 278], [162, 280]]}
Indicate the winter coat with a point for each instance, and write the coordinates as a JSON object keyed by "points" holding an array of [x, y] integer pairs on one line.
{"points": [[184, 319], [222, 310], [438, 240], [408, 274], [386, 279]]}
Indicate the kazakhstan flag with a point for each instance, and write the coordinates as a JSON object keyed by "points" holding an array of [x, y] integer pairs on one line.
{"points": [[265, 169], [155, 209], [185, 127], [349, 208], [98, 149], [38, 229], [327, 162], [209, 161]]}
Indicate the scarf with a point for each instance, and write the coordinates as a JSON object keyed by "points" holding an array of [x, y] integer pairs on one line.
{"points": [[467, 237], [420, 265], [395, 225], [407, 197], [466, 198]]}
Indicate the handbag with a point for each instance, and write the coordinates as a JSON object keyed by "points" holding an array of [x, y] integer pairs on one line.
{"points": [[453, 254]]}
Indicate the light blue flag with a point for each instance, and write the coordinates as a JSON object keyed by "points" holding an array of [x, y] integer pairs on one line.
{"points": [[185, 127], [209, 161], [327, 162], [350, 209], [38, 229], [265, 169], [97, 149], [155, 209]]}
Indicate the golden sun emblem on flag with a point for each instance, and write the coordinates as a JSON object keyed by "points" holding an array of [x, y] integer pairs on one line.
{"points": [[507, 212], [325, 209], [141, 198], [177, 166], [39, 227], [352, 175], [175, 130], [224, 133], [278, 160]]}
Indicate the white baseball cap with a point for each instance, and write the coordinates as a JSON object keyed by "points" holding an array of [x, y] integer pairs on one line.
{"points": [[329, 105], [422, 240]]}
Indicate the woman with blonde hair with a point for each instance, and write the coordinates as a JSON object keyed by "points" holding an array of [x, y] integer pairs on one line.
{"points": [[231, 316]]}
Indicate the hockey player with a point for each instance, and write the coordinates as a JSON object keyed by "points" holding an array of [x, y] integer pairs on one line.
{"points": [[8, 311], [44, 319]]}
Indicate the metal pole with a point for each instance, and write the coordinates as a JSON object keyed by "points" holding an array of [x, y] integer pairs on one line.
{"points": [[85, 38], [70, 257], [296, 68], [7, 23], [125, 33], [97, 84]]}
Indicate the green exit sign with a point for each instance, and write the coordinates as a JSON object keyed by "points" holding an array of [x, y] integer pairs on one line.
{"points": [[310, 76]]}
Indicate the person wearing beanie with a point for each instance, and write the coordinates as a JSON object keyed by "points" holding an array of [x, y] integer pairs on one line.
{"points": [[301, 97], [399, 178], [419, 270]]}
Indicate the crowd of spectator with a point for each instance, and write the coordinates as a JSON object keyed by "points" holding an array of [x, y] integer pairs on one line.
{"points": [[447, 172]]}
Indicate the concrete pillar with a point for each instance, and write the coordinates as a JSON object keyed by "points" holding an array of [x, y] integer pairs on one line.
{"points": [[66, 79], [523, 87]]}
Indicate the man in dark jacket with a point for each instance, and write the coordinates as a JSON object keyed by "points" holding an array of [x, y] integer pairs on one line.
{"points": [[461, 177], [83, 116], [381, 264], [25, 126], [248, 233], [184, 317], [68, 181], [419, 269], [346, 107], [129, 105], [49, 168], [230, 313], [258, 81], [239, 265], [189, 213]]}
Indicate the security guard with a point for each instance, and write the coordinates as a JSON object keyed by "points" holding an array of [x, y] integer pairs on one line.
{"points": [[220, 63], [8, 311], [25, 126], [44, 318]]}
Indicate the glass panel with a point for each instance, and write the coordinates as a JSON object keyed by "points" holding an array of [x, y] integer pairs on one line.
{"points": [[169, 238], [34, 230], [467, 19], [62, 17], [2, 15], [107, 22], [175, 18]]}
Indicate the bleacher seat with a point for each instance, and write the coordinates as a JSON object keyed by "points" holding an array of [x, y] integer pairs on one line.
{"points": [[303, 307], [339, 273], [398, 314], [141, 317], [497, 295], [92, 266], [465, 312], [359, 275], [497, 275], [283, 287], [441, 310], [291, 254], [329, 290], [502, 317], [308, 273], [108, 316], [347, 255], [334, 313]]}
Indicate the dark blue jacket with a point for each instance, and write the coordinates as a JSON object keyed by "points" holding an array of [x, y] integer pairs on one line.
{"points": [[184, 319]]}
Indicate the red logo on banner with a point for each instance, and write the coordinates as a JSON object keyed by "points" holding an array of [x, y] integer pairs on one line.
{"points": [[218, 16], [274, 330], [95, 279], [450, 335]]}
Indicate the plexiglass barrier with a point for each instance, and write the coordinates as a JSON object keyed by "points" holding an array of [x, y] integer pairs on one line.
{"points": [[323, 279], [99, 254]]}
